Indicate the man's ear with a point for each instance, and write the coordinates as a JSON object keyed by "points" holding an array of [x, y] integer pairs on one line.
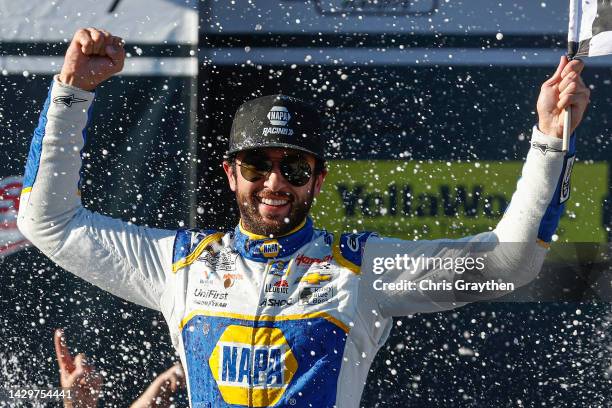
{"points": [[320, 178], [229, 172]]}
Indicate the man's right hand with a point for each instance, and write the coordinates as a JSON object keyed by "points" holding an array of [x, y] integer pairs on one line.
{"points": [[93, 56]]}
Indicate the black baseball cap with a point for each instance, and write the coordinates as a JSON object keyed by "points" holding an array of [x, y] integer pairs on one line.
{"points": [[277, 121]]}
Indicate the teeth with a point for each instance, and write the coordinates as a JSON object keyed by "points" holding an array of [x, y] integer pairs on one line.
{"points": [[269, 201]]}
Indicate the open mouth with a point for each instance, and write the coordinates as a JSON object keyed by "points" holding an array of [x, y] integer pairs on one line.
{"points": [[273, 202]]}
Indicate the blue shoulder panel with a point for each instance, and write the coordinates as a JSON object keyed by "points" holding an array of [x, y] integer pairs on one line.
{"points": [[555, 209], [33, 162], [352, 245], [182, 245], [186, 241]]}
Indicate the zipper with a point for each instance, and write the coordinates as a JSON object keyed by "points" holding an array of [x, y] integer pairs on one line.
{"points": [[262, 282]]}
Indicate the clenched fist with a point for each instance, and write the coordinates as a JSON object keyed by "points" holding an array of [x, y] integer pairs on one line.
{"points": [[565, 88], [93, 56]]}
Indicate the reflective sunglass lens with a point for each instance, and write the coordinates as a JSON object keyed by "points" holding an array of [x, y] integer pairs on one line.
{"points": [[296, 170], [255, 167]]}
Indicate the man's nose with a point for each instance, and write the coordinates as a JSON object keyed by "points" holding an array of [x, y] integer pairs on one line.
{"points": [[275, 180]]}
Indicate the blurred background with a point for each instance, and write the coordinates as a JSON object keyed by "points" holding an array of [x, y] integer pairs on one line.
{"points": [[428, 107]]}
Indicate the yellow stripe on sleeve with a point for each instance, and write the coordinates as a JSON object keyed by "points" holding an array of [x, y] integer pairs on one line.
{"points": [[196, 252]]}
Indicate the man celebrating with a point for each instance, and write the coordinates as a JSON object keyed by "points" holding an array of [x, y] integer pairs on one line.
{"points": [[276, 312]]}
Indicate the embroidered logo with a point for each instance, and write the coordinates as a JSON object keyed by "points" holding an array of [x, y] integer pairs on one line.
{"points": [[543, 147], [564, 191], [68, 100]]}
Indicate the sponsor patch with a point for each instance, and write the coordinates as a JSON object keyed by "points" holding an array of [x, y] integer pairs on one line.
{"points": [[230, 278], [252, 366], [302, 259], [564, 191], [270, 249], [207, 257], [210, 297], [280, 286], [227, 261], [220, 261], [277, 268], [315, 278], [315, 296], [273, 302]]}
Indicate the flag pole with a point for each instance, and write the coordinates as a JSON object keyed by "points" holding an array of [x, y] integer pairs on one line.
{"points": [[567, 125], [573, 41], [567, 118]]}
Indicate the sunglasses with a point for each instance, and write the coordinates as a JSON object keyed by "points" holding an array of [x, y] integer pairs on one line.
{"points": [[294, 168]]}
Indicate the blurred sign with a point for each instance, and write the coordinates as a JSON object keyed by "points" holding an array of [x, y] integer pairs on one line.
{"points": [[381, 8], [426, 200], [11, 239], [413, 17], [161, 35], [143, 21]]}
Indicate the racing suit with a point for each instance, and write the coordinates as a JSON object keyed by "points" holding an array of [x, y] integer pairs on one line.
{"points": [[292, 321]]}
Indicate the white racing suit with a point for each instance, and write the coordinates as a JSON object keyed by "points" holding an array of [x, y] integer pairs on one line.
{"points": [[291, 322]]}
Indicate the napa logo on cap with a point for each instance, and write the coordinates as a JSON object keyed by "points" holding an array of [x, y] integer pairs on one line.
{"points": [[279, 116], [252, 366]]}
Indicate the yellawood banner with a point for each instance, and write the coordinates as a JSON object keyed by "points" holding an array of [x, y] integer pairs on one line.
{"points": [[429, 200]]}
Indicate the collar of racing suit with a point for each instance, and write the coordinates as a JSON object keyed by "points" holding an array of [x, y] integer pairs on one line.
{"points": [[261, 248]]}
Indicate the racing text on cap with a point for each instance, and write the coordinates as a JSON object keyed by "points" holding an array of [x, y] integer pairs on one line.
{"points": [[279, 117]]}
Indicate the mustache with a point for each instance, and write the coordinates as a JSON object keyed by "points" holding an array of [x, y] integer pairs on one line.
{"points": [[274, 195]]}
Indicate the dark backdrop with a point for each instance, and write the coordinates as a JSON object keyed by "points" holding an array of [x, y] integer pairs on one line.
{"points": [[481, 355]]}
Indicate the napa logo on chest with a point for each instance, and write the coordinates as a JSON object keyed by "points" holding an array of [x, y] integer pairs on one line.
{"points": [[270, 249], [252, 365]]}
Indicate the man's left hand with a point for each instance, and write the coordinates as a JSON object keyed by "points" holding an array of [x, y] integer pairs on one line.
{"points": [[565, 88]]}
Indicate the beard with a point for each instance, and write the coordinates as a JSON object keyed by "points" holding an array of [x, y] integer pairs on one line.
{"points": [[255, 223]]}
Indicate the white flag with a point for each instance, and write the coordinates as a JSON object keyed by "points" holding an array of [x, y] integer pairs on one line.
{"points": [[590, 28]]}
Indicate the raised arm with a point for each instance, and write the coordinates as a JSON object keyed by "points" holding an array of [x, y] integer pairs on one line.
{"points": [[514, 251], [124, 259]]}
